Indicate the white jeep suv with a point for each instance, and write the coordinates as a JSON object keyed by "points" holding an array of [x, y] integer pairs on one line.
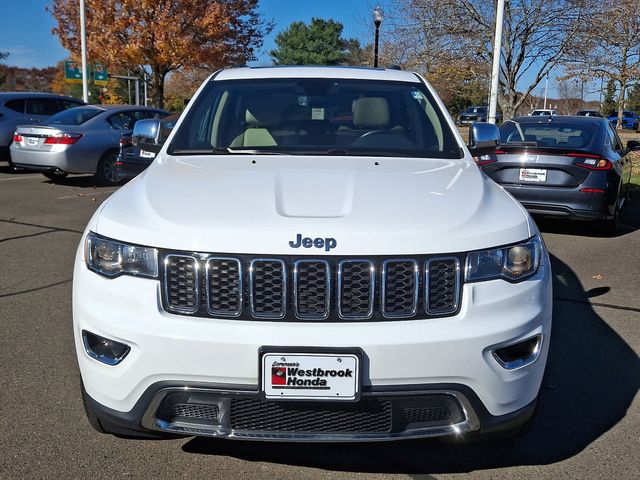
{"points": [[313, 255]]}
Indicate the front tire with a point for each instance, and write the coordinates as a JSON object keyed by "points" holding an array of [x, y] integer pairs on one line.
{"points": [[107, 173]]}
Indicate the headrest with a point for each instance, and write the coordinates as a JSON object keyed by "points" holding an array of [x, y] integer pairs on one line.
{"points": [[371, 112], [263, 112]]}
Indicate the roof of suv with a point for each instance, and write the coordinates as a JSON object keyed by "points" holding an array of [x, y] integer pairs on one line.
{"points": [[8, 95], [359, 73]]}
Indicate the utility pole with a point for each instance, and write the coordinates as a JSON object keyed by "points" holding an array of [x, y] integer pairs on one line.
{"points": [[83, 46], [546, 89], [495, 71]]}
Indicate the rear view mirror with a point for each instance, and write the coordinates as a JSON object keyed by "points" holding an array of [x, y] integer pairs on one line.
{"points": [[484, 138], [147, 133], [633, 145]]}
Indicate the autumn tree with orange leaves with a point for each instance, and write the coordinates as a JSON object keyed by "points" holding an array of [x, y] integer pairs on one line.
{"points": [[156, 37]]}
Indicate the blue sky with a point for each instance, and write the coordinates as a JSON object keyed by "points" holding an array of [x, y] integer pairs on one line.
{"points": [[25, 32]]}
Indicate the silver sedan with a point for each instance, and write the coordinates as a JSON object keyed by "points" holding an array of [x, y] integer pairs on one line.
{"points": [[79, 140]]}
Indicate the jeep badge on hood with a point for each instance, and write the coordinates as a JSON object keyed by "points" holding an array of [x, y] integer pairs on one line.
{"points": [[326, 243]]}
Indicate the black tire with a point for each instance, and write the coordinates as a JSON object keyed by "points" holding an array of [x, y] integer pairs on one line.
{"points": [[610, 226], [107, 173], [55, 176]]}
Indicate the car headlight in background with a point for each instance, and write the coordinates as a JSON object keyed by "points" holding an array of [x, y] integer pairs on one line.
{"points": [[112, 258], [512, 263]]}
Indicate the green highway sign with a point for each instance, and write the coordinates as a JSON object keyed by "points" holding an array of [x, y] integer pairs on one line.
{"points": [[100, 74], [72, 72]]}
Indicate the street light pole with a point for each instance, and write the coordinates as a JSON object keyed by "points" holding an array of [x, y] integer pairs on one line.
{"points": [[546, 87], [377, 20], [83, 47], [495, 70]]}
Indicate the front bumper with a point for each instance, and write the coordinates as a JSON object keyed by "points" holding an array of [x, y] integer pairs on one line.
{"points": [[452, 355]]}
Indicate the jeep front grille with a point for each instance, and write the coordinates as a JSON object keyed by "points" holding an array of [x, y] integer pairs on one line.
{"points": [[295, 289]]}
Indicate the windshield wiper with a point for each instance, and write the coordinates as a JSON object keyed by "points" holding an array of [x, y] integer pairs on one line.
{"points": [[222, 151]]}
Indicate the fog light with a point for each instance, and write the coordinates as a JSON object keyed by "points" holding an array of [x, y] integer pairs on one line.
{"points": [[104, 350], [519, 354]]}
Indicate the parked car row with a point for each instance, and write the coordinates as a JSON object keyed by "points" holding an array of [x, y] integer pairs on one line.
{"points": [[83, 139], [18, 108]]}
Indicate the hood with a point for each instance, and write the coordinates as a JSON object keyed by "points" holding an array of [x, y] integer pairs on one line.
{"points": [[259, 204]]}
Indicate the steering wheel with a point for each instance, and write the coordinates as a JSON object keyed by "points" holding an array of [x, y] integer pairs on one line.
{"points": [[372, 133]]}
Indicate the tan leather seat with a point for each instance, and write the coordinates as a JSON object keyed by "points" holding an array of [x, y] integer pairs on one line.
{"points": [[260, 116], [369, 113]]}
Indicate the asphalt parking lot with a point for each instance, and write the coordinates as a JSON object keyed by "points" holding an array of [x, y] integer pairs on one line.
{"points": [[587, 426]]}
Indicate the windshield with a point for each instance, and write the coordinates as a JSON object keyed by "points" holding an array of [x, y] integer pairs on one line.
{"points": [[553, 135], [74, 116], [316, 116]]}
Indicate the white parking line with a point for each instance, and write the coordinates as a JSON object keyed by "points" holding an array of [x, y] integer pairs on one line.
{"points": [[66, 197], [37, 177]]}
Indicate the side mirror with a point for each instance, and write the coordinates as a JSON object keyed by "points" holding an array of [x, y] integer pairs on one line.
{"points": [[484, 138], [633, 145], [147, 133]]}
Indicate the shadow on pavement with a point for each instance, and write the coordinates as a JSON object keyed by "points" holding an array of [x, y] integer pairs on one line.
{"points": [[591, 379]]}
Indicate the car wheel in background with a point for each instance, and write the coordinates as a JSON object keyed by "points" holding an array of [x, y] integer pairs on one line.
{"points": [[55, 176], [107, 173]]}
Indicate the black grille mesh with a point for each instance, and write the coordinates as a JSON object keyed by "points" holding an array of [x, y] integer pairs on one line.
{"points": [[196, 411], [181, 283], [356, 289], [224, 286], [421, 415], [312, 289], [400, 285], [268, 288], [442, 286], [365, 417]]}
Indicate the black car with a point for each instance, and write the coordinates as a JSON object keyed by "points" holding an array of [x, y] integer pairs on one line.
{"points": [[476, 114], [589, 113], [563, 166], [133, 159]]}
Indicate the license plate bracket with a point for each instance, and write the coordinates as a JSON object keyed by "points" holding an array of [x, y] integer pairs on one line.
{"points": [[310, 374]]}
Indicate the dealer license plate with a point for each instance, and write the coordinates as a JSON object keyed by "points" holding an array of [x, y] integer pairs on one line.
{"points": [[534, 175], [33, 141], [310, 376]]}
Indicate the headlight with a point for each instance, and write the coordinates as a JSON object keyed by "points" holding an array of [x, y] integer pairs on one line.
{"points": [[513, 263], [111, 258]]}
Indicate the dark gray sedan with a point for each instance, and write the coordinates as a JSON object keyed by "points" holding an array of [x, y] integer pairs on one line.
{"points": [[79, 140], [563, 166]]}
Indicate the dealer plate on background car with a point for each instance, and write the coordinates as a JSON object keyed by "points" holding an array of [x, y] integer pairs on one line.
{"points": [[310, 376], [534, 175]]}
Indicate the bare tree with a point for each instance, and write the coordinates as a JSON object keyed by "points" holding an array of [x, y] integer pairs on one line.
{"points": [[610, 46], [569, 91], [537, 36]]}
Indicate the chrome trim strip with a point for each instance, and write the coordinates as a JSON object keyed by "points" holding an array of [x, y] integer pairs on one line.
{"points": [[150, 421], [522, 362], [416, 293], [372, 280], [327, 296], [284, 288], [223, 313], [426, 286], [171, 308]]}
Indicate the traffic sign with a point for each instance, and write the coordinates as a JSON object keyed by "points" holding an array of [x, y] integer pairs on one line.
{"points": [[72, 72], [100, 74]]}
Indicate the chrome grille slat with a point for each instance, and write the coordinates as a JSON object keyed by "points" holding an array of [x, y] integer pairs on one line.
{"points": [[247, 287], [224, 286], [442, 280], [182, 283], [356, 284], [400, 281], [268, 288], [312, 289]]}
